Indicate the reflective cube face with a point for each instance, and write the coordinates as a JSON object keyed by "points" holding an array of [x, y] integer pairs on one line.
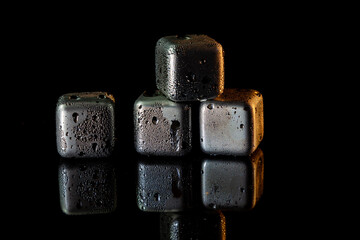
{"points": [[232, 124], [87, 186], [85, 125], [163, 185], [189, 68], [162, 127], [232, 183]]}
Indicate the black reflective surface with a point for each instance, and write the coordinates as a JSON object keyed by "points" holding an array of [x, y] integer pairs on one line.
{"points": [[169, 198], [192, 225]]}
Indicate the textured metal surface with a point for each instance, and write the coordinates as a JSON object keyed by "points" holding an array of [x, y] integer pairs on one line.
{"points": [[233, 123], [162, 127], [189, 68], [87, 186], [232, 183], [191, 225], [163, 185], [85, 125]]}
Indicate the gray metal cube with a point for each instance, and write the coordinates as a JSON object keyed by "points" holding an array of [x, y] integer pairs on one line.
{"points": [[85, 126], [189, 68], [233, 123], [232, 183], [87, 186], [162, 127], [164, 185]]}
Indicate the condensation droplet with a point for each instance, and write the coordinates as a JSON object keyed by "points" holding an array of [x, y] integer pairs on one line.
{"points": [[190, 77], [157, 197], [175, 125], [94, 146], [212, 205], [155, 120], [74, 97], [202, 61], [75, 117], [79, 204]]}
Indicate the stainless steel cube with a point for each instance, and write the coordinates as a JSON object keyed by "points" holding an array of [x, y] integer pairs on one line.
{"points": [[189, 68], [233, 123], [162, 127], [87, 186], [234, 184], [163, 185], [85, 126]]}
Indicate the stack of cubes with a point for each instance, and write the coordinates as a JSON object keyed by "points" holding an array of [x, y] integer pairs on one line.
{"points": [[190, 80], [85, 136]]}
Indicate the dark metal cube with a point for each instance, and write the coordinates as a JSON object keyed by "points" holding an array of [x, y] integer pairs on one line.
{"points": [[189, 68], [85, 126]]}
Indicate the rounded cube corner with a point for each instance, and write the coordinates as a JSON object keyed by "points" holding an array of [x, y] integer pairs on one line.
{"points": [[204, 148], [62, 153], [60, 106]]}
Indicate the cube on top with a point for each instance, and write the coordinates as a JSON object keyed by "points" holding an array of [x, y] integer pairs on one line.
{"points": [[233, 123], [189, 67], [85, 125]]}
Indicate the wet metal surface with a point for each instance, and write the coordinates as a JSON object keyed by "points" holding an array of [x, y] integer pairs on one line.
{"points": [[233, 123], [189, 68], [161, 127], [85, 126]]}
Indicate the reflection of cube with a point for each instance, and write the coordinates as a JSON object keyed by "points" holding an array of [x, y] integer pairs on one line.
{"points": [[192, 225], [232, 184], [85, 125], [87, 187], [164, 185], [233, 123], [189, 68], [162, 127]]}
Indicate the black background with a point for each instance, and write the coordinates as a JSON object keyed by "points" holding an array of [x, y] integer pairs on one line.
{"points": [[56, 52]]}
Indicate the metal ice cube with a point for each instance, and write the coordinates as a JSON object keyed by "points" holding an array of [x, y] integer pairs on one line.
{"points": [[233, 123], [189, 68], [162, 127], [85, 126]]}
